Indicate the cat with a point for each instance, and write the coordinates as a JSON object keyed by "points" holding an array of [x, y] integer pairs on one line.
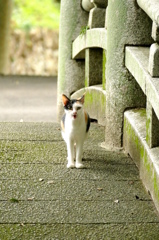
{"points": [[75, 125]]}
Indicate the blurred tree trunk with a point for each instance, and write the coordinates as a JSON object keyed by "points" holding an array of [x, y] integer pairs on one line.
{"points": [[5, 16]]}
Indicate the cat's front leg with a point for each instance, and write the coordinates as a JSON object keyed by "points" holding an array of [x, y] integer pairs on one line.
{"points": [[70, 152], [79, 153]]}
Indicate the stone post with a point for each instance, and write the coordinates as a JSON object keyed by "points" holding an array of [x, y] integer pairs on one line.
{"points": [[5, 15], [127, 24], [154, 52], [94, 57], [153, 66], [152, 127], [93, 66], [71, 74]]}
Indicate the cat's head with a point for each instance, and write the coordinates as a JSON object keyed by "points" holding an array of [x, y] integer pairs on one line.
{"points": [[73, 107]]}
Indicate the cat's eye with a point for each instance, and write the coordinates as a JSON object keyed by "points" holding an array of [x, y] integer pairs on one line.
{"points": [[78, 108], [69, 107]]}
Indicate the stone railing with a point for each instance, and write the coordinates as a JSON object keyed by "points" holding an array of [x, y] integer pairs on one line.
{"points": [[88, 55], [143, 63], [90, 45], [141, 126], [106, 55], [151, 7]]}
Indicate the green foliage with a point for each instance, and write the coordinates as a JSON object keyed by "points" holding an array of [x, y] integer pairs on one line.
{"points": [[35, 13], [84, 30]]}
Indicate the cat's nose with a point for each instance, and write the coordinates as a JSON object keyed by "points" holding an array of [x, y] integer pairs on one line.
{"points": [[74, 114]]}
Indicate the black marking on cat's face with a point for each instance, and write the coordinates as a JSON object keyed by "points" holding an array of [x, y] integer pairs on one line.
{"points": [[69, 105], [72, 106], [78, 108]]}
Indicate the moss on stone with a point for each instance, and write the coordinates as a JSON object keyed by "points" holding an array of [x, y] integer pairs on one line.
{"points": [[132, 135], [142, 112], [88, 98], [93, 97], [86, 82], [147, 164], [139, 152], [95, 104], [156, 186]]}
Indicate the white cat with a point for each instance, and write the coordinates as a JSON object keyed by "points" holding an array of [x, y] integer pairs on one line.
{"points": [[75, 124]]}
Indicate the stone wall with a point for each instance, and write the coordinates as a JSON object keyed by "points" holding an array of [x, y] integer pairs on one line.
{"points": [[34, 52]]}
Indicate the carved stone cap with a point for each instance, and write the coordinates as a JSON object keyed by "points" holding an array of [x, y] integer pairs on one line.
{"points": [[87, 5]]}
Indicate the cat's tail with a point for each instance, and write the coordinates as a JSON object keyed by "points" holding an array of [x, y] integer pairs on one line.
{"points": [[93, 120]]}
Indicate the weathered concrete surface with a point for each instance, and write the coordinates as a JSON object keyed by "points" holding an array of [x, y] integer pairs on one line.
{"points": [[42, 199], [31, 99], [152, 127], [93, 38], [154, 60], [151, 7], [96, 18], [155, 32], [146, 159], [136, 60], [100, 3]]}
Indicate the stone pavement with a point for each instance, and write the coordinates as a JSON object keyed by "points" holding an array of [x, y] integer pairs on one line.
{"points": [[31, 99], [41, 199]]}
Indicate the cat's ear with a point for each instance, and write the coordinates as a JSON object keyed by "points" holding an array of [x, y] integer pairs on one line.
{"points": [[65, 99], [82, 99]]}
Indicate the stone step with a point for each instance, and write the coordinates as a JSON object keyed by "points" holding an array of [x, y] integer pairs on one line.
{"points": [[145, 158]]}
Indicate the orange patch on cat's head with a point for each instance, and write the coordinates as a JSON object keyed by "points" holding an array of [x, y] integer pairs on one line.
{"points": [[65, 99]]}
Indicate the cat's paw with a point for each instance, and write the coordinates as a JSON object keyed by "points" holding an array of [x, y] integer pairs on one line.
{"points": [[70, 165], [79, 165]]}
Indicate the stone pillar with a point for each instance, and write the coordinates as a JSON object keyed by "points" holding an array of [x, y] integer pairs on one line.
{"points": [[154, 52], [5, 15], [94, 57], [155, 32], [152, 127], [154, 60], [127, 24], [71, 76]]}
